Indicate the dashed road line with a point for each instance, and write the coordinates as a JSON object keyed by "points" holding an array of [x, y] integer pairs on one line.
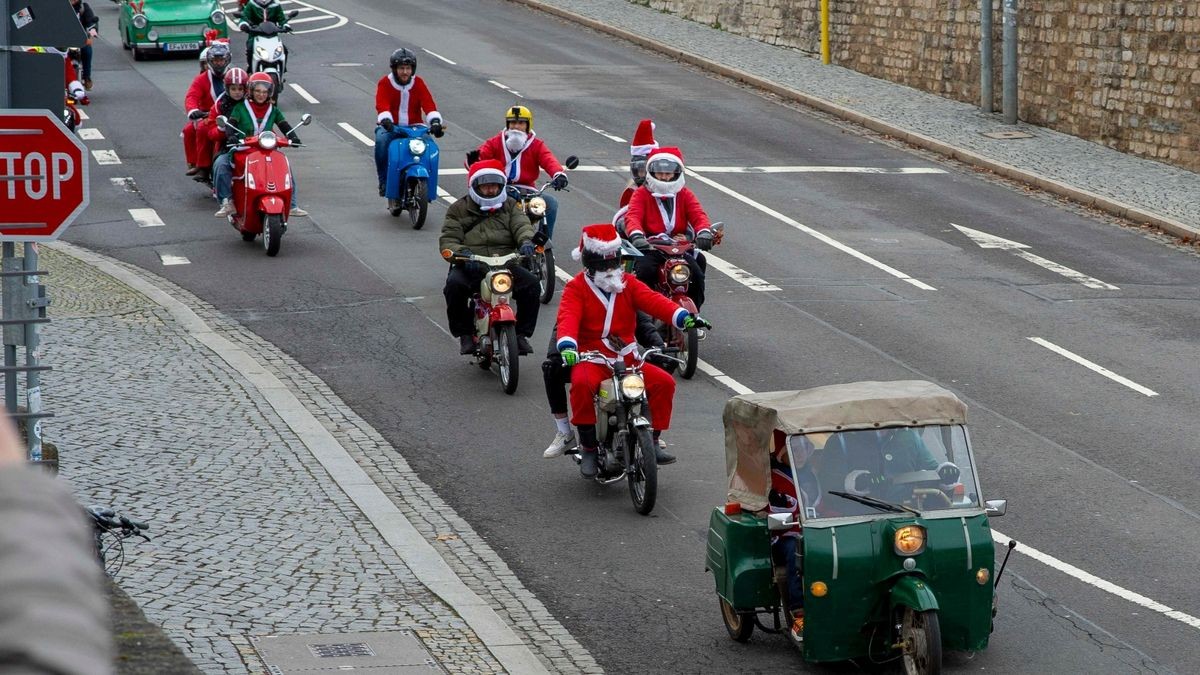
{"points": [[449, 198], [505, 87], [82, 114], [1093, 366], [340, 20], [818, 169], [90, 134], [106, 157], [602, 132], [303, 93], [146, 218], [370, 27], [172, 259], [438, 56], [986, 240], [126, 183], [357, 134], [738, 274]]}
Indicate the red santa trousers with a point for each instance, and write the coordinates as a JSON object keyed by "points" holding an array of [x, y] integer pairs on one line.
{"points": [[585, 382], [190, 141]]}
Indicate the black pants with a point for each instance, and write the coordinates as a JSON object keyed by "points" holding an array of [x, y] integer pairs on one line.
{"points": [[557, 376], [461, 286], [648, 265]]}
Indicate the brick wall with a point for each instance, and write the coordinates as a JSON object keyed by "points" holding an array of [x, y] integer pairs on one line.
{"points": [[1122, 73]]}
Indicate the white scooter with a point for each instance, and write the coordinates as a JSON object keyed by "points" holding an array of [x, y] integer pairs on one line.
{"points": [[270, 55]]}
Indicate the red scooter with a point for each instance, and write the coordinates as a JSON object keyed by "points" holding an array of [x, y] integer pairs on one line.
{"points": [[674, 277], [262, 187]]}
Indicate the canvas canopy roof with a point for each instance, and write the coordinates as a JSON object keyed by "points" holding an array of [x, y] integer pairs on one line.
{"points": [[750, 420]]}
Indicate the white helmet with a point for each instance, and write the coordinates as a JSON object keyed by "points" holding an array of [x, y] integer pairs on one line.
{"points": [[665, 161], [487, 171]]}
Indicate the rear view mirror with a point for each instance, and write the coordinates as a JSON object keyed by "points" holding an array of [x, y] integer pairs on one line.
{"points": [[293, 14], [718, 226], [997, 507], [778, 522], [571, 162], [222, 121], [540, 238], [305, 119]]}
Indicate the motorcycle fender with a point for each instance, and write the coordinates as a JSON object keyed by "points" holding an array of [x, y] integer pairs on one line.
{"points": [[640, 422], [685, 302], [912, 591], [503, 314], [271, 205], [417, 171]]}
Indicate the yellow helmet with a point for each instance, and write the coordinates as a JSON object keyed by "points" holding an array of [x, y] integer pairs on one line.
{"points": [[519, 113]]}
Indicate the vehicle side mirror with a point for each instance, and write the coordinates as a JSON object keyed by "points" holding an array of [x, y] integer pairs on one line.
{"points": [[472, 157], [779, 522], [571, 162], [293, 14], [222, 121], [236, 14], [540, 238], [997, 507], [718, 226], [305, 119]]}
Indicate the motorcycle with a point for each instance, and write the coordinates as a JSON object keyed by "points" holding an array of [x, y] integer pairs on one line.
{"points": [[269, 55], [674, 277], [412, 173], [71, 116], [623, 432], [262, 186], [531, 202]]}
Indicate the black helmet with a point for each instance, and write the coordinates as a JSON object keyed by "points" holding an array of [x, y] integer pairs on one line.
{"points": [[218, 58], [637, 169], [401, 57]]}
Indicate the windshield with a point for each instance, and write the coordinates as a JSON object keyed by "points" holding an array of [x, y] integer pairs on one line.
{"points": [[877, 471]]}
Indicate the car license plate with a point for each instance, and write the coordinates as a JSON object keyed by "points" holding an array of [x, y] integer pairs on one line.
{"points": [[181, 46]]}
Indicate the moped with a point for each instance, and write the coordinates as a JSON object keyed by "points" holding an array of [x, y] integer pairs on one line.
{"points": [[674, 277], [270, 55], [534, 206], [412, 176]]}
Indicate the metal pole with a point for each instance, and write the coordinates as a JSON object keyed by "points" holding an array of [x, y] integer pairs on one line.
{"points": [[825, 32], [987, 92], [1010, 62], [10, 351], [33, 390], [5, 59]]}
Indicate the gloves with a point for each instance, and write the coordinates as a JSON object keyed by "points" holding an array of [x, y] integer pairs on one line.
{"points": [[948, 473], [527, 249], [639, 241], [694, 321], [436, 129], [196, 114], [388, 125], [569, 356], [704, 240], [866, 480], [560, 181], [295, 140]]}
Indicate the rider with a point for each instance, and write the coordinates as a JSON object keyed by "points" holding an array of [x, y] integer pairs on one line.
{"points": [[664, 206], [255, 115], [206, 87], [639, 151], [601, 303], [786, 497], [525, 157], [254, 13], [487, 222], [212, 139], [877, 456], [91, 26], [401, 99]]}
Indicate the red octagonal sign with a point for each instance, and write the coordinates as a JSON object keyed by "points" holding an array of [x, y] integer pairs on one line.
{"points": [[43, 176]]}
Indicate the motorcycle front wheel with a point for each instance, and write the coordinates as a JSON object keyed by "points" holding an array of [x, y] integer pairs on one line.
{"points": [[272, 234], [419, 204], [689, 351], [921, 635], [643, 473], [545, 272], [506, 358]]}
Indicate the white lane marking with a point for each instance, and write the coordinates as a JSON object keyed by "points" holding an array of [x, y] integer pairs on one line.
{"points": [[307, 19], [171, 259], [602, 132], [438, 56], [90, 134], [82, 115], [370, 27], [106, 156], [712, 371], [1093, 580], [986, 240], [125, 183], [1093, 366], [449, 198], [341, 20], [506, 88], [146, 218], [357, 134], [345, 65], [813, 233], [738, 274], [816, 169], [303, 93], [586, 168]]}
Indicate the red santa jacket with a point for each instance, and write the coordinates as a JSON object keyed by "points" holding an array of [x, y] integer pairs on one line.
{"points": [[223, 106], [526, 166], [75, 88], [587, 314], [203, 93], [648, 216], [407, 105]]}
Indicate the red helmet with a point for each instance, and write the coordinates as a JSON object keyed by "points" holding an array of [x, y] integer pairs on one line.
{"points": [[237, 76], [261, 78]]}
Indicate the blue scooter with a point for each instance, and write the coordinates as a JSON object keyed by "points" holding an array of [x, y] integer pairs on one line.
{"points": [[412, 172]]}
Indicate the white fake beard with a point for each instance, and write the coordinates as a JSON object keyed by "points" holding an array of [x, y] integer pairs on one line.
{"points": [[514, 140], [610, 281]]}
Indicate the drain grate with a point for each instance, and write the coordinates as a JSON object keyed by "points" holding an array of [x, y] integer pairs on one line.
{"points": [[1005, 135], [341, 650]]}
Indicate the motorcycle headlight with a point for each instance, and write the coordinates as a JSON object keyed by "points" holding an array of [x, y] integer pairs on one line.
{"points": [[680, 273], [139, 21], [217, 17], [152, 35], [267, 140], [909, 540], [278, 53], [501, 282], [260, 53], [632, 386], [537, 206], [416, 146]]}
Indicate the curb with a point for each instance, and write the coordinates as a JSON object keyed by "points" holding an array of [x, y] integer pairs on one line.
{"points": [[1187, 233], [426, 563]]}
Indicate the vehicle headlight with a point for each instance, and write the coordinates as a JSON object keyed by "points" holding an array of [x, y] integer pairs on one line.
{"points": [[217, 17], [267, 140], [680, 274], [909, 540], [632, 386], [260, 52], [537, 206], [501, 282], [278, 53], [416, 146], [139, 21], [152, 35]]}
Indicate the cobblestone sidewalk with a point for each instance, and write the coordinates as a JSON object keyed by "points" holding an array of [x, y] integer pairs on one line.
{"points": [[1139, 189], [252, 536]]}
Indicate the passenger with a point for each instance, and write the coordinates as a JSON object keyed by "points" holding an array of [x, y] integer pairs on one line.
{"points": [[784, 497]]}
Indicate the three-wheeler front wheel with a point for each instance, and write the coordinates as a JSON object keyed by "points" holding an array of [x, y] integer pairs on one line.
{"points": [[739, 624], [921, 635]]}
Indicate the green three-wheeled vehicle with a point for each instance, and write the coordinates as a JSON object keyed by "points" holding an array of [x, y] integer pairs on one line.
{"points": [[876, 486]]}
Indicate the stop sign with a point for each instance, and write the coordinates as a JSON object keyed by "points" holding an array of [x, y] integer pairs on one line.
{"points": [[43, 176]]}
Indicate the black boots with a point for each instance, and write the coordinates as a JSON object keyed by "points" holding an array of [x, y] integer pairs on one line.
{"points": [[466, 345]]}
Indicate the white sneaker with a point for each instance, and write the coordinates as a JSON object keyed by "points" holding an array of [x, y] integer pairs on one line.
{"points": [[226, 209], [297, 212], [560, 444]]}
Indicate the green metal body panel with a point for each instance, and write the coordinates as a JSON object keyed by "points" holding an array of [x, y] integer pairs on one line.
{"points": [[172, 12], [912, 591], [739, 556]]}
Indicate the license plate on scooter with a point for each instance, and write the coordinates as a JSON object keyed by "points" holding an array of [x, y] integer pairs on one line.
{"points": [[181, 46]]}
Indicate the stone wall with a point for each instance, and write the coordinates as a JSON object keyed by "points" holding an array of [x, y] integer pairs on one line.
{"points": [[1125, 73]]}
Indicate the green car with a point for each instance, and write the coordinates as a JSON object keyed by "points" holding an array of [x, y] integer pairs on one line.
{"points": [[169, 26]]}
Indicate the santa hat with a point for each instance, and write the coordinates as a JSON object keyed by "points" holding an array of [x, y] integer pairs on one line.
{"points": [[626, 197], [600, 238], [669, 152], [643, 139], [485, 167]]}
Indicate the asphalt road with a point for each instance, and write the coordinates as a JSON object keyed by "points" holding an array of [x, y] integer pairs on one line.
{"points": [[1098, 474]]}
